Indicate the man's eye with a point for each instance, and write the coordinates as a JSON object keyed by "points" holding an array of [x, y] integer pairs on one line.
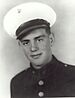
{"points": [[40, 40], [25, 43]]}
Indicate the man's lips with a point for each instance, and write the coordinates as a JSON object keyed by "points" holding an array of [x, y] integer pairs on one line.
{"points": [[35, 56]]}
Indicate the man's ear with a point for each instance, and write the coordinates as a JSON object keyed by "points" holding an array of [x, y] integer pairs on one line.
{"points": [[51, 37], [19, 43]]}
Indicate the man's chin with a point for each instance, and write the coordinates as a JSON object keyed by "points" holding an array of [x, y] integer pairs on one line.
{"points": [[37, 65]]}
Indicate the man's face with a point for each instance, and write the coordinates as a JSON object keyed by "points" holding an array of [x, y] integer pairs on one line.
{"points": [[37, 47]]}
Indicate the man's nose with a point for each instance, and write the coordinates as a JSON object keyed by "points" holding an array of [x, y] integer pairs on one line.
{"points": [[34, 46]]}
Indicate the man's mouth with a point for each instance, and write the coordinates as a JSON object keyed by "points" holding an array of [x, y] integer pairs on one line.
{"points": [[36, 56]]}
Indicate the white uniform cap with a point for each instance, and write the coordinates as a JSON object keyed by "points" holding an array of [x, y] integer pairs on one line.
{"points": [[26, 12]]}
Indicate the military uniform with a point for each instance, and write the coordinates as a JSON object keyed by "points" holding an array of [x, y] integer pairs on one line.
{"points": [[54, 79]]}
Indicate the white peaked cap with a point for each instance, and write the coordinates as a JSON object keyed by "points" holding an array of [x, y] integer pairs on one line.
{"points": [[26, 12]]}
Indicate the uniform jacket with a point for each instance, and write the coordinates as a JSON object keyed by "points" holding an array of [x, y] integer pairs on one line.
{"points": [[53, 80]]}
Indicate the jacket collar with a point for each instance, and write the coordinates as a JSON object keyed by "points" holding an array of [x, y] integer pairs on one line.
{"points": [[46, 69]]}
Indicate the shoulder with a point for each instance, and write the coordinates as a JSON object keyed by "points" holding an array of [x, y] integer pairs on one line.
{"points": [[66, 69], [20, 76]]}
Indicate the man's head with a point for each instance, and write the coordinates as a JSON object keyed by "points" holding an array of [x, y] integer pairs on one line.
{"points": [[30, 23], [36, 42]]}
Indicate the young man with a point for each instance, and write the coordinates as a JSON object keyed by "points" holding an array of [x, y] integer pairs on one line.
{"points": [[46, 76]]}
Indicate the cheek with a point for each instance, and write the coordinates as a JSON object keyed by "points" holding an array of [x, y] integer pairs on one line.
{"points": [[45, 46], [26, 51]]}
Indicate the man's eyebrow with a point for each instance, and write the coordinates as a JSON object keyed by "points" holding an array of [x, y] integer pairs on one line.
{"points": [[39, 36], [25, 40]]}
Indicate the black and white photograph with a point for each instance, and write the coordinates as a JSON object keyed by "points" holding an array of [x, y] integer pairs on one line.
{"points": [[37, 48]]}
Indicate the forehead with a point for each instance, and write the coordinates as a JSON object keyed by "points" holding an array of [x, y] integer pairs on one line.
{"points": [[36, 33]]}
